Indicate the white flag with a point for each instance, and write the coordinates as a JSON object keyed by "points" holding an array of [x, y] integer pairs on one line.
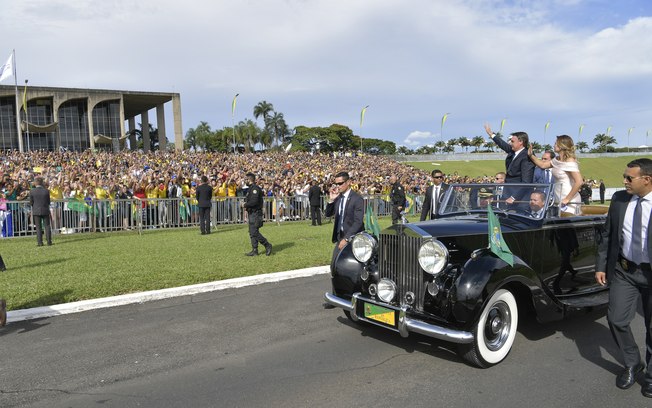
{"points": [[7, 69]]}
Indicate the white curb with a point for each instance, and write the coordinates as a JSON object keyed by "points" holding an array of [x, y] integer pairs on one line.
{"points": [[141, 297]]}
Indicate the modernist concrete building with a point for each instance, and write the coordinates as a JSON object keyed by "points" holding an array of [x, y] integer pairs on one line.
{"points": [[79, 119]]}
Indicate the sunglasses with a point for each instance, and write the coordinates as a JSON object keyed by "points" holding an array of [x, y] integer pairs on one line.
{"points": [[339, 184], [437, 177], [630, 178]]}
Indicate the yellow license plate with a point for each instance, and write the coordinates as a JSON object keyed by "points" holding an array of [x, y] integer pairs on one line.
{"points": [[380, 314]]}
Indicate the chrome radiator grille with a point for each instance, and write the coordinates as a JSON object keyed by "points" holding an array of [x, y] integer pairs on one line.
{"points": [[397, 260]]}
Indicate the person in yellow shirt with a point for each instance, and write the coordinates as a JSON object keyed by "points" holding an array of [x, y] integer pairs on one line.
{"points": [[162, 195], [101, 194], [151, 192], [56, 200], [222, 203], [231, 191]]}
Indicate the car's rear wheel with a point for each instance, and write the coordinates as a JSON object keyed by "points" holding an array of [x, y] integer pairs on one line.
{"points": [[494, 332]]}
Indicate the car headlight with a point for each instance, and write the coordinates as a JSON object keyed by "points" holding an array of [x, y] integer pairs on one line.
{"points": [[433, 256], [363, 245], [386, 290]]}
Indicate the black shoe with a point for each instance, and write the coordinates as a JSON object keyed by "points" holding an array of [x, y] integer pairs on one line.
{"points": [[41, 244], [328, 306], [268, 249], [252, 253], [647, 390], [628, 377], [49, 243]]}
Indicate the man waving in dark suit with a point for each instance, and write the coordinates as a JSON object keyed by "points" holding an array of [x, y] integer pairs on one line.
{"points": [[518, 167], [624, 258]]}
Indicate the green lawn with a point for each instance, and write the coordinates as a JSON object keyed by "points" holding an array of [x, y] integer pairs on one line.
{"points": [[88, 266], [610, 169]]}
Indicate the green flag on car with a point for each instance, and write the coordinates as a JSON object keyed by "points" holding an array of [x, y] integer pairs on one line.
{"points": [[497, 243]]}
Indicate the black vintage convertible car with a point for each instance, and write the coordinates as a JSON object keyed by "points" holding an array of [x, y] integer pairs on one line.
{"points": [[440, 278]]}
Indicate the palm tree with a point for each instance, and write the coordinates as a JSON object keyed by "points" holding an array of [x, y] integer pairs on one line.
{"points": [[439, 146], [263, 108], [604, 142], [582, 146], [278, 127], [250, 133], [477, 142], [465, 143]]}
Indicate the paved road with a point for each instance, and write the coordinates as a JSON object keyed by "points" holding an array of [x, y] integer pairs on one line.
{"points": [[273, 345]]}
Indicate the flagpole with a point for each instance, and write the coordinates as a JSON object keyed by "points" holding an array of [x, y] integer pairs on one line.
{"points": [[26, 115], [20, 135]]}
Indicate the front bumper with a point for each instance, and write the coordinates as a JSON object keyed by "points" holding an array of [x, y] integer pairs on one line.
{"points": [[405, 325]]}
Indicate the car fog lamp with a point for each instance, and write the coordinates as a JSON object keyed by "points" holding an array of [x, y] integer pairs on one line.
{"points": [[364, 275], [386, 290], [433, 256], [363, 245], [409, 298], [433, 288], [373, 289]]}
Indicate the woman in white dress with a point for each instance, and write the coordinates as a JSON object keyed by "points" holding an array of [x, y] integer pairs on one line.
{"points": [[566, 172]]}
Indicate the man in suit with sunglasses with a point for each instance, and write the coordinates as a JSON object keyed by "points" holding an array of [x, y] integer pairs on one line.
{"points": [[433, 196], [623, 260]]}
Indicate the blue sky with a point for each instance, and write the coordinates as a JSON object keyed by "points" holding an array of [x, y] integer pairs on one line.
{"points": [[569, 62]]}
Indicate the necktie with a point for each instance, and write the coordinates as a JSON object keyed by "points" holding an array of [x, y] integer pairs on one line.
{"points": [[342, 199], [548, 178], [435, 199], [637, 235]]}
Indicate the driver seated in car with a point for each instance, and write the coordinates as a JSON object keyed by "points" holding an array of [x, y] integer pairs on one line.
{"points": [[537, 202]]}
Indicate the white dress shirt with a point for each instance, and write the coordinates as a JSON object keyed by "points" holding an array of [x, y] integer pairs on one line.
{"points": [[646, 209]]}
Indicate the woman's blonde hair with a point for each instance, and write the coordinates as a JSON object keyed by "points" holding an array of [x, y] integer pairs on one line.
{"points": [[566, 147]]}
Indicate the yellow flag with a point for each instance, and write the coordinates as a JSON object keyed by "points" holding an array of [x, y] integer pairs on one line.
{"points": [[25, 99], [443, 119], [502, 125], [233, 104], [362, 114]]}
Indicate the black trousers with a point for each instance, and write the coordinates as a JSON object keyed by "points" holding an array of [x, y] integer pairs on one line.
{"points": [[625, 289], [43, 221], [255, 221], [315, 214], [205, 220], [396, 214]]}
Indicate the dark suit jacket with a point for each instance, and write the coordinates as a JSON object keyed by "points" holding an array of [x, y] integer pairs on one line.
{"points": [[519, 169], [540, 176], [611, 238], [427, 202], [314, 196], [39, 199], [353, 215], [204, 194]]}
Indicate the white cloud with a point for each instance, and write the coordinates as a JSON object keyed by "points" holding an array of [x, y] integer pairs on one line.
{"points": [[418, 138]]}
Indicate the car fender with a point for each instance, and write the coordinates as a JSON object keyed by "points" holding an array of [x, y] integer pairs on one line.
{"points": [[345, 273], [480, 277]]}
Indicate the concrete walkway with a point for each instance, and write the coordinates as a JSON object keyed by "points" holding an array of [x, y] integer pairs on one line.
{"points": [[84, 305]]}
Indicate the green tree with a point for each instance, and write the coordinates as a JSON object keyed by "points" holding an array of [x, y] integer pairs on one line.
{"points": [[403, 150], [153, 137], [582, 146], [250, 133], [464, 142], [263, 108], [477, 142], [536, 147], [439, 146], [278, 128], [604, 142]]}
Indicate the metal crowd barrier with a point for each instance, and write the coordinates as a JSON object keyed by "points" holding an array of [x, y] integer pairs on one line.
{"points": [[77, 216]]}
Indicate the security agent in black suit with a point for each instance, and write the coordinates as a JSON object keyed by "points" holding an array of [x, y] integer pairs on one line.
{"points": [[39, 199], [397, 197], [431, 203], [204, 195], [314, 197], [623, 260], [348, 208], [254, 205], [544, 176], [518, 167]]}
